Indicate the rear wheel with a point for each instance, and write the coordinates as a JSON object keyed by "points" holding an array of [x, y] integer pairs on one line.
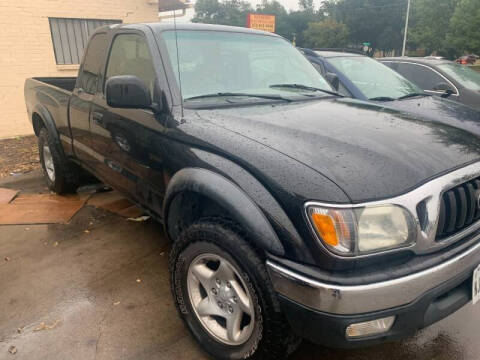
{"points": [[224, 295], [60, 174]]}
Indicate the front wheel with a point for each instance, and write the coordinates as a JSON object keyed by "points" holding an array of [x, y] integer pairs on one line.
{"points": [[224, 295]]}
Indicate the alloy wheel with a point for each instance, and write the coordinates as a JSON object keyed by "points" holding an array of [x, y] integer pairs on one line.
{"points": [[48, 162], [220, 298]]}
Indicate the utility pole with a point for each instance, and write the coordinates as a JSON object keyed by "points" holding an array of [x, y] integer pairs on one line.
{"points": [[406, 29]]}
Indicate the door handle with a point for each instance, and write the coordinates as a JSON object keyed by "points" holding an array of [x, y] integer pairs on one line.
{"points": [[114, 166], [97, 118]]}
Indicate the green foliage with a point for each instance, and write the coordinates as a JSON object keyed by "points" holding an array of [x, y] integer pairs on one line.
{"points": [[227, 12], [379, 22], [429, 23], [326, 34], [464, 32], [282, 25], [300, 19], [306, 5], [234, 12]]}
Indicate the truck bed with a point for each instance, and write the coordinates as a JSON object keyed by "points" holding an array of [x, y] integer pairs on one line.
{"points": [[66, 83], [49, 97]]}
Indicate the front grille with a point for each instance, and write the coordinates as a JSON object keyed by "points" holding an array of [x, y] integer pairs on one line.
{"points": [[459, 208]]}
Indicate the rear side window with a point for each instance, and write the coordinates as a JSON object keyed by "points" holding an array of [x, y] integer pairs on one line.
{"points": [[130, 56], [423, 76], [89, 72]]}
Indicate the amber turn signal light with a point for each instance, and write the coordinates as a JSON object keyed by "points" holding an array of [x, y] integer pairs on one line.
{"points": [[326, 228]]}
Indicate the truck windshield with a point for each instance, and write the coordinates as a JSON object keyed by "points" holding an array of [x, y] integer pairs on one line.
{"points": [[218, 62], [373, 79], [463, 74]]}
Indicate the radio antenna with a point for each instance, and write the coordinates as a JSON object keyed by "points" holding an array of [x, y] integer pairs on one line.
{"points": [[178, 61]]}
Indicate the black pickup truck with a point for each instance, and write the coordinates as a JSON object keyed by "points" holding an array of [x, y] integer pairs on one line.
{"points": [[293, 212]]}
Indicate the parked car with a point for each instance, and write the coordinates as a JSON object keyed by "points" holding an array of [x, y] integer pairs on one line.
{"points": [[440, 77], [364, 78], [467, 59], [293, 211]]}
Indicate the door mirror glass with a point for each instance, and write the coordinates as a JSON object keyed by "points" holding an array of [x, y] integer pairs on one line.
{"points": [[333, 80], [127, 91]]}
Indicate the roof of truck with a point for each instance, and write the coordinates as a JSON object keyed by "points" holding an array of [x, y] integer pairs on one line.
{"points": [[164, 26]]}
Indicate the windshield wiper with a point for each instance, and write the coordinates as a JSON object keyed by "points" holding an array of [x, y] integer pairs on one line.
{"points": [[304, 87], [382, 98], [388, 98], [221, 94], [411, 95]]}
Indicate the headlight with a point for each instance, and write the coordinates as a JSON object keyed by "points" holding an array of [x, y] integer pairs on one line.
{"points": [[365, 230]]}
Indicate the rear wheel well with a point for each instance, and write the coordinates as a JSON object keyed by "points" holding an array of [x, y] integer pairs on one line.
{"points": [[37, 123]]}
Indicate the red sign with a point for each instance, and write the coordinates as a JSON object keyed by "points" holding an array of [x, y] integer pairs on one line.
{"points": [[261, 22]]}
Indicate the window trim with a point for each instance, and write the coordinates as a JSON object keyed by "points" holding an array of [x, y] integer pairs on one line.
{"points": [[107, 59], [430, 68], [82, 64]]}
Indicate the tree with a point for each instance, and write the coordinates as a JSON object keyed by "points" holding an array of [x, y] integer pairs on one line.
{"points": [[327, 33], [429, 23], [234, 12], [464, 31], [379, 22], [306, 5], [282, 24], [300, 19], [225, 12]]}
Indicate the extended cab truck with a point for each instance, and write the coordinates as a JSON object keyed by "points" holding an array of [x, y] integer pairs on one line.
{"points": [[293, 212]]}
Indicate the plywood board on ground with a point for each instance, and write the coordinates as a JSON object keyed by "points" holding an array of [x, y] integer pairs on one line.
{"points": [[7, 195], [40, 209]]}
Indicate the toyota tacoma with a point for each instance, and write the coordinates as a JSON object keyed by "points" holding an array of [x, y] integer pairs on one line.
{"points": [[293, 212]]}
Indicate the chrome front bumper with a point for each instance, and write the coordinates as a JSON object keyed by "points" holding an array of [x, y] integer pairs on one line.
{"points": [[361, 299]]}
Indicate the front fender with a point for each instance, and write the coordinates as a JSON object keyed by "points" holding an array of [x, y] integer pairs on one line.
{"points": [[229, 196]]}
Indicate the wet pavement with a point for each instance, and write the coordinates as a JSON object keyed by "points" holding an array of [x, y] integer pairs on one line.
{"points": [[98, 288]]}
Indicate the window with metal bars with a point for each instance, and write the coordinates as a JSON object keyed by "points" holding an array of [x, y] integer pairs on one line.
{"points": [[70, 37]]}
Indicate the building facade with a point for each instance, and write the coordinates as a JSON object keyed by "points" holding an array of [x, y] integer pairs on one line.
{"points": [[46, 38]]}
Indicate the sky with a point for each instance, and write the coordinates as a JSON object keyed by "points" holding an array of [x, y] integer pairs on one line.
{"points": [[288, 4]]}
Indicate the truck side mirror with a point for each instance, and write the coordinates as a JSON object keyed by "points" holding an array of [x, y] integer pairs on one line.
{"points": [[127, 91], [442, 86], [446, 88], [333, 80]]}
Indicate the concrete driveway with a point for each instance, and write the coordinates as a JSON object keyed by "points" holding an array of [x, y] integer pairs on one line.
{"points": [[98, 288]]}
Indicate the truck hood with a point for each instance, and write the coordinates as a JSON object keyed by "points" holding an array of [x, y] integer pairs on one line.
{"points": [[369, 151], [440, 110]]}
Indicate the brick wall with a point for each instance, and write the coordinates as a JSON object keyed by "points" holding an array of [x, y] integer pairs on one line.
{"points": [[26, 48]]}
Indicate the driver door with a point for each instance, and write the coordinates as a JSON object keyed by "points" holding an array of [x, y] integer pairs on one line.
{"points": [[126, 136]]}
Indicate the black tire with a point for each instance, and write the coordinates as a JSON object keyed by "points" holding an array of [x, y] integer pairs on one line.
{"points": [[66, 177], [271, 337]]}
